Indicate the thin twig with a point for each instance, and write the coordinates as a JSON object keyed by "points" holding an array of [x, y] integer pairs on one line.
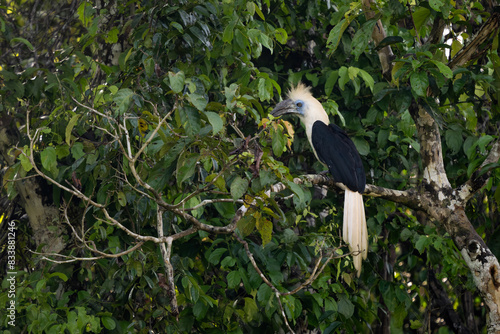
{"points": [[72, 258], [169, 270], [264, 278]]}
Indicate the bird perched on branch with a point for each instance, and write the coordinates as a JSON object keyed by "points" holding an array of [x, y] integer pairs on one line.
{"points": [[335, 149]]}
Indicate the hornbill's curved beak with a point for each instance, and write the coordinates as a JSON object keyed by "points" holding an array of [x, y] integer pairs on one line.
{"points": [[284, 107]]}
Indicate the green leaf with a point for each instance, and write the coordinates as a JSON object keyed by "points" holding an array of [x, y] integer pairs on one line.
{"points": [[250, 309], [228, 261], [260, 37], [443, 68], [362, 38], [456, 46], [200, 309], [422, 242], [265, 88], [49, 158], [397, 319], [278, 142], [186, 166], [483, 142], [239, 187], [123, 98], [108, 322], [149, 66], [176, 81], [85, 12], [265, 228], [219, 183], [25, 161], [331, 80], [362, 145], [77, 151], [122, 199], [198, 101], [62, 276], [281, 35], [241, 41], [402, 100], [419, 83], [343, 77], [289, 236], [420, 16], [335, 35], [228, 34], [259, 12], [415, 324], [194, 291], [367, 78], [190, 120], [300, 198], [405, 234], [215, 120], [246, 225], [21, 40], [264, 293], [346, 307], [251, 8], [454, 140], [69, 128], [233, 279], [332, 327], [436, 4], [215, 256], [40, 285], [112, 36]]}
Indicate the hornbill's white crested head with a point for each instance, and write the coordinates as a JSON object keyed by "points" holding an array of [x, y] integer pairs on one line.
{"points": [[301, 103]]}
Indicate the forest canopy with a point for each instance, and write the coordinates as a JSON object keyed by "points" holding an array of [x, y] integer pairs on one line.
{"points": [[146, 188]]}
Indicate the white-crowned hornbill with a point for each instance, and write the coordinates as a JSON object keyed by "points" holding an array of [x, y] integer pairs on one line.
{"points": [[332, 147]]}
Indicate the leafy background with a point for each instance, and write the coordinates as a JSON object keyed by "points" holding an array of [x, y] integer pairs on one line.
{"points": [[80, 79]]}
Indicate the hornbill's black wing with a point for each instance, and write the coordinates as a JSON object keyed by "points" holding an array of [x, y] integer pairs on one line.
{"points": [[338, 152]]}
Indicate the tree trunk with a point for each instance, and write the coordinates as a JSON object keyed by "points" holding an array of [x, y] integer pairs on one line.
{"points": [[43, 216], [446, 206]]}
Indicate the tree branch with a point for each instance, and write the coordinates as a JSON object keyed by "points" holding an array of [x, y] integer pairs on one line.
{"points": [[470, 51], [410, 197], [169, 270]]}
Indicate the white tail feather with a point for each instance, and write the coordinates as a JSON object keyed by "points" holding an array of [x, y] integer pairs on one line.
{"points": [[355, 232]]}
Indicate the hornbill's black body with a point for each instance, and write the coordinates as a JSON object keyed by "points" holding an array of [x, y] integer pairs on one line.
{"points": [[337, 151], [332, 147]]}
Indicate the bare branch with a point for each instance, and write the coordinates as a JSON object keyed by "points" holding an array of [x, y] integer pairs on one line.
{"points": [[71, 258], [153, 133], [410, 197], [169, 270], [317, 271], [109, 118], [264, 278], [211, 201]]}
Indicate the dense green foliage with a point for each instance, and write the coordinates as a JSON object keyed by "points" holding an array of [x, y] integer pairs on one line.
{"points": [[213, 70]]}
